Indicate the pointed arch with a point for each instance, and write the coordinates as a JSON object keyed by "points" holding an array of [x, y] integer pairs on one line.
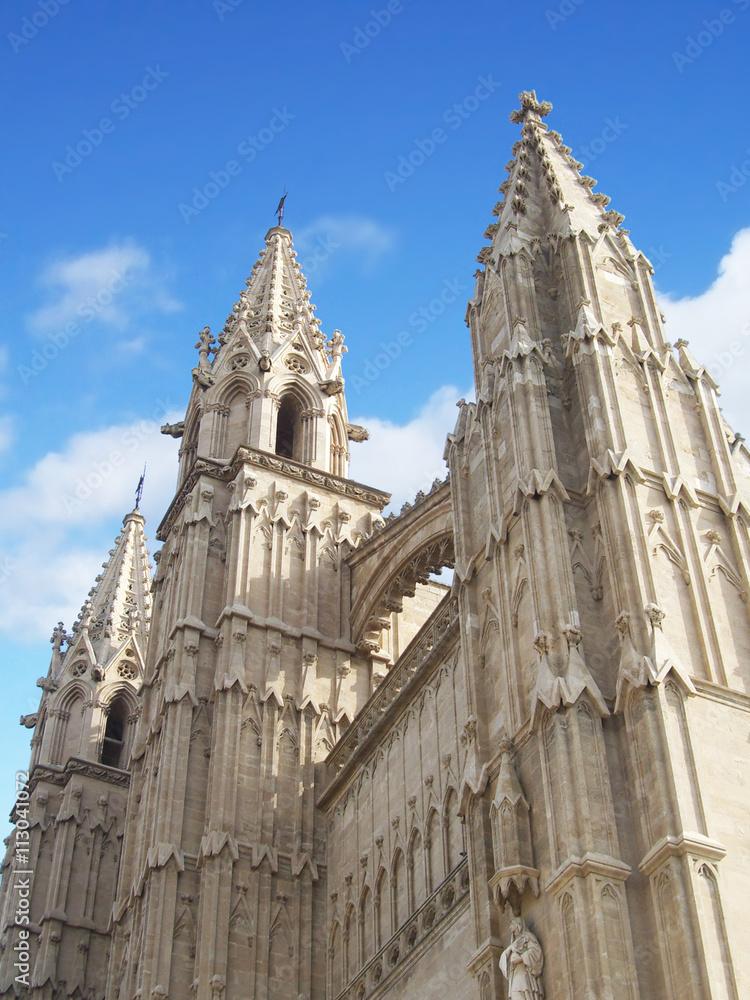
{"points": [[296, 419], [350, 921], [416, 870], [485, 990], [119, 689], [366, 935], [119, 706], [434, 872], [238, 382], [382, 913], [304, 393], [68, 718], [230, 415], [399, 897], [452, 831], [76, 689], [335, 966], [112, 749], [289, 428]]}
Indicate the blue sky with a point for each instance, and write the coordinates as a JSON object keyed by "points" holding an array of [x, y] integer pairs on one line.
{"points": [[118, 238]]}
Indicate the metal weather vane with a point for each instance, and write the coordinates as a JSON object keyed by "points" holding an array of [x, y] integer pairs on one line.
{"points": [[139, 488], [280, 208]]}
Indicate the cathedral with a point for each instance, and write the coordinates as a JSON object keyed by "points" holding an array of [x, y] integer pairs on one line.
{"points": [[295, 765]]}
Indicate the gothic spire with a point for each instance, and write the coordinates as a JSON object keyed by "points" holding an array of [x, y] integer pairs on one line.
{"points": [[118, 607], [275, 305], [545, 192], [273, 355]]}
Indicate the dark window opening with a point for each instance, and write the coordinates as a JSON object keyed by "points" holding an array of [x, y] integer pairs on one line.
{"points": [[114, 734], [287, 429]]}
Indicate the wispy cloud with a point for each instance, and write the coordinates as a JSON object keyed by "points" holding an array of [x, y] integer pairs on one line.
{"points": [[356, 238], [111, 284], [57, 523]]}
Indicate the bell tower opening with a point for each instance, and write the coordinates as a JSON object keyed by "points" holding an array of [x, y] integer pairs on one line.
{"points": [[114, 734], [289, 429]]}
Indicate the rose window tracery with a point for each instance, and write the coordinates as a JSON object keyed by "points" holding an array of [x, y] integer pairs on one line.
{"points": [[295, 364]]}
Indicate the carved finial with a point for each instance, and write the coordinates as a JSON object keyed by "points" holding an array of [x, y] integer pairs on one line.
{"points": [[655, 615], [335, 345], [531, 109], [206, 341], [622, 623], [59, 636]]}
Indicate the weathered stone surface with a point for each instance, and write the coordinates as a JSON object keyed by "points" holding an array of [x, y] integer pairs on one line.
{"points": [[345, 780]]}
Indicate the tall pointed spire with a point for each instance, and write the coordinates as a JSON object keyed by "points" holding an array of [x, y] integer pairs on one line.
{"points": [[272, 381], [545, 192], [118, 607], [549, 223], [275, 305]]}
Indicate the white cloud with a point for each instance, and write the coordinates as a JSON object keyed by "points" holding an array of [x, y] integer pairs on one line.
{"points": [[717, 325], [406, 458], [110, 285], [354, 237], [58, 523]]}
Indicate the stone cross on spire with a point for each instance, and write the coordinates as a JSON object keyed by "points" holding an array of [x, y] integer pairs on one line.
{"points": [[531, 109], [205, 346]]}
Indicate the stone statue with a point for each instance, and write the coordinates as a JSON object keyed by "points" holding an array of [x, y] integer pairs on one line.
{"points": [[521, 963]]}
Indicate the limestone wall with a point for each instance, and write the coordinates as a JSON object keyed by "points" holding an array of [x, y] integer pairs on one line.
{"points": [[394, 834]]}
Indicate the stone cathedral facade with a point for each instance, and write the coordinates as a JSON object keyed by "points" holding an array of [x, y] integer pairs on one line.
{"points": [[293, 766]]}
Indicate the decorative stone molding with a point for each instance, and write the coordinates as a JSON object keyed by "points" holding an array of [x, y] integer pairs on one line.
{"points": [[638, 670], [561, 678], [413, 936], [580, 867], [684, 844], [511, 835], [434, 632]]}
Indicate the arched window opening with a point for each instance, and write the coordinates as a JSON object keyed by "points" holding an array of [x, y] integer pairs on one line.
{"points": [[289, 430], [114, 734]]}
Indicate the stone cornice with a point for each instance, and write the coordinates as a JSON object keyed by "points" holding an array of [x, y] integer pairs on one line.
{"points": [[694, 844], [86, 768], [488, 951], [215, 469], [590, 864], [276, 625], [725, 695], [310, 476]]}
